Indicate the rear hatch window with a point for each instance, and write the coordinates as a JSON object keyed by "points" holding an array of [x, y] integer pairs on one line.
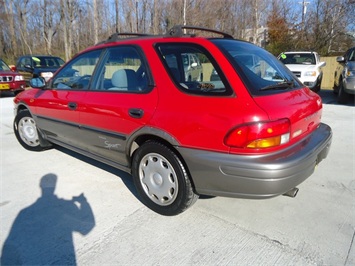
{"points": [[259, 70]]}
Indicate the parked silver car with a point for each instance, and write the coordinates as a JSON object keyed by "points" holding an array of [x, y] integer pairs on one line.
{"points": [[344, 76]]}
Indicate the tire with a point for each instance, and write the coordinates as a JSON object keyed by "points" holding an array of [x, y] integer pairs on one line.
{"points": [[161, 179], [318, 85], [26, 131], [342, 95]]}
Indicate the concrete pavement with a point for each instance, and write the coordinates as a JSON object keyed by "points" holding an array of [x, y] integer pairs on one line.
{"points": [[315, 228]]}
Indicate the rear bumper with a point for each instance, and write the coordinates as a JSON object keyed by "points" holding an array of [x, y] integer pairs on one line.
{"points": [[257, 176]]}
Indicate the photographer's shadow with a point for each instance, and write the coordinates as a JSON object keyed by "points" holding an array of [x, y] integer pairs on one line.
{"points": [[42, 233]]}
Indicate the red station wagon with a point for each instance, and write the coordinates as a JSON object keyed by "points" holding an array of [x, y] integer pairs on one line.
{"points": [[253, 131]]}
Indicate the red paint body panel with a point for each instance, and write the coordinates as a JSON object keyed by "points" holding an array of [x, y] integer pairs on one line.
{"points": [[110, 111]]}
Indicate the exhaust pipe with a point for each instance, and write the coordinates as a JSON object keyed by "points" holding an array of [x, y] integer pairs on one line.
{"points": [[291, 193]]}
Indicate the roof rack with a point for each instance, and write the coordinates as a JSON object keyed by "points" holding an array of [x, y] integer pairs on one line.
{"points": [[119, 36], [177, 31]]}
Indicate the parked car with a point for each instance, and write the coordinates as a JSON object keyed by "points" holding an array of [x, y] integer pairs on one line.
{"points": [[31, 66], [192, 67], [124, 102], [344, 77], [10, 80], [306, 66]]}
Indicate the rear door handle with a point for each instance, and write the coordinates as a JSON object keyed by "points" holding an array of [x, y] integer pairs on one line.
{"points": [[136, 112], [72, 105]]}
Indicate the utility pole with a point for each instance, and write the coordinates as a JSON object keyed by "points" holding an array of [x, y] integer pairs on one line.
{"points": [[137, 16], [304, 11]]}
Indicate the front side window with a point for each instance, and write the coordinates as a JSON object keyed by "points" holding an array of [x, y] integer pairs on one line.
{"points": [[192, 69], [352, 55], [260, 71], [78, 73], [26, 62], [123, 69]]}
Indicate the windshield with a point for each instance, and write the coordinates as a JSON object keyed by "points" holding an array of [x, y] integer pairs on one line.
{"points": [[260, 71], [3, 66], [47, 61], [298, 58]]}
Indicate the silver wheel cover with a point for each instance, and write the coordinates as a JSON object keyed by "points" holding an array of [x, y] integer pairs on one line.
{"points": [[158, 179], [28, 131]]}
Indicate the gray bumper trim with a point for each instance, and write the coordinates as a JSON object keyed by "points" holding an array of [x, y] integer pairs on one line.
{"points": [[257, 176]]}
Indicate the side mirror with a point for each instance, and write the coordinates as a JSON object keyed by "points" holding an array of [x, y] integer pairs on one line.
{"points": [[194, 64], [38, 82], [28, 67], [340, 59], [322, 64]]}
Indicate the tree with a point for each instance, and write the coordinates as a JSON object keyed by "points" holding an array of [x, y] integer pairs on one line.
{"points": [[65, 27], [327, 23], [279, 35]]}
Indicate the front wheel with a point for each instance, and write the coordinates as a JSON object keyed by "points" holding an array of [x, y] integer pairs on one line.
{"points": [[161, 179], [26, 131]]}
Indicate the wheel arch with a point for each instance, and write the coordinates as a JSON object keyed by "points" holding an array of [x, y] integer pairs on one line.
{"points": [[22, 107], [153, 134], [146, 134], [42, 137]]}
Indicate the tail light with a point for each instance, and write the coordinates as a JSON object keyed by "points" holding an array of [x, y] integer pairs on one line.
{"points": [[259, 135]]}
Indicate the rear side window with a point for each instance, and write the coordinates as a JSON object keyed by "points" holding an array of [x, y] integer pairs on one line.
{"points": [[192, 69]]}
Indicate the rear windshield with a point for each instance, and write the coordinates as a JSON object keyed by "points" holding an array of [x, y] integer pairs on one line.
{"points": [[260, 71]]}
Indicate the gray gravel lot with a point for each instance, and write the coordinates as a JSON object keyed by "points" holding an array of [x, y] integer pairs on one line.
{"points": [[315, 228]]}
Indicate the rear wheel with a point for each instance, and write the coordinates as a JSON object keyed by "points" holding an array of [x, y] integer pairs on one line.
{"points": [[161, 179], [26, 131]]}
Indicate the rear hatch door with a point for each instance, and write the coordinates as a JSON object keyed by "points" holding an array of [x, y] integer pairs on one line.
{"points": [[302, 107]]}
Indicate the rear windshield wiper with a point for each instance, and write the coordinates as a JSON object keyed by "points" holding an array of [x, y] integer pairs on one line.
{"points": [[282, 85]]}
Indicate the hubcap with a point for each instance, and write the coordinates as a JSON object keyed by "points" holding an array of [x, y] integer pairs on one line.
{"points": [[158, 179], [28, 131]]}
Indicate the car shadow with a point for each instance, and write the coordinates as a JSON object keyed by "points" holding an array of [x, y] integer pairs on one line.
{"points": [[125, 177], [328, 97], [6, 94], [42, 233]]}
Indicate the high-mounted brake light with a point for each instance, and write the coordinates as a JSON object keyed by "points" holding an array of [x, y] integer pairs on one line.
{"points": [[259, 135]]}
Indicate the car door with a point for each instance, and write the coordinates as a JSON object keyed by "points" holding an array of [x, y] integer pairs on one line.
{"points": [[340, 67], [120, 102], [58, 106]]}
